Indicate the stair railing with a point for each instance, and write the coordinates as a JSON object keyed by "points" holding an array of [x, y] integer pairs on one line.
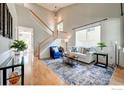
{"points": [[42, 22]]}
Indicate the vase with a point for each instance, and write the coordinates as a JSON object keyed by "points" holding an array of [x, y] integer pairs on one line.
{"points": [[17, 53]]}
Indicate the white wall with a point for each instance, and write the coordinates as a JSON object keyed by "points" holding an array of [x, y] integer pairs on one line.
{"points": [[44, 14], [4, 44], [81, 14]]}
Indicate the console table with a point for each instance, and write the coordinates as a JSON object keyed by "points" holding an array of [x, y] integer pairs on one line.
{"points": [[99, 63]]}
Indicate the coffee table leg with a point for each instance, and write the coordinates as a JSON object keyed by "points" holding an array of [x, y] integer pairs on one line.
{"points": [[106, 61]]}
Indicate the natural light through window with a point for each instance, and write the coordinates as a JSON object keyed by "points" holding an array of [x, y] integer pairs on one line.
{"points": [[60, 26], [88, 37]]}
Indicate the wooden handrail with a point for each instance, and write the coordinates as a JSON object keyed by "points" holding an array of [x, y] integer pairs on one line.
{"points": [[40, 20]]}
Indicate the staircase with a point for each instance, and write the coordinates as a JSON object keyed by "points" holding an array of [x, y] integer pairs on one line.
{"points": [[52, 35]]}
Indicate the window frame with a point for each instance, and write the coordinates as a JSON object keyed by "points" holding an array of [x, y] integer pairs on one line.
{"points": [[62, 21], [88, 27]]}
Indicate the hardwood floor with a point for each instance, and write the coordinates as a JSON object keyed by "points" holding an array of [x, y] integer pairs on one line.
{"points": [[42, 75], [38, 73], [118, 77]]}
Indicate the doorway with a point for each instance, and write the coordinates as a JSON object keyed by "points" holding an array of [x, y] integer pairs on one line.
{"points": [[26, 34]]}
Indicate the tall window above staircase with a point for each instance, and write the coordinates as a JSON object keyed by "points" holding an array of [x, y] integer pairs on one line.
{"points": [[60, 26]]}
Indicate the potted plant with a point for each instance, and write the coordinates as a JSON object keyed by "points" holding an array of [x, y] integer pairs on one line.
{"points": [[101, 45], [18, 45]]}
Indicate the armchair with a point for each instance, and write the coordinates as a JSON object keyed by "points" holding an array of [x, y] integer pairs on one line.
{"points": [[55, 52]]}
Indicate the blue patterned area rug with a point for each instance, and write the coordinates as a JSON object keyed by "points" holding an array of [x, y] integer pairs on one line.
{"points": [[80, 74]]}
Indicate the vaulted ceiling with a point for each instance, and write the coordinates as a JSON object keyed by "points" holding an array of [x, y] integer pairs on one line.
{"points": [[54, 6]]}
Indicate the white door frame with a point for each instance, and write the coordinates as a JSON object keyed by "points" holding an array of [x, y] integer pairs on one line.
{"points": [[26, 29]]}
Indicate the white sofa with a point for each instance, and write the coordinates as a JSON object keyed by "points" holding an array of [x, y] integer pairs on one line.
{"points": [[87, 58], [83, 54]]}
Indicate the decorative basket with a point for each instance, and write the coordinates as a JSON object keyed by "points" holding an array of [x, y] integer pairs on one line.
{"points": [[14, 78]]}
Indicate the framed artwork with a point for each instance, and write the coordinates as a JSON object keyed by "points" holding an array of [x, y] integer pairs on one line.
{"points": [[1, 19], [6, 21], [11, 27]]}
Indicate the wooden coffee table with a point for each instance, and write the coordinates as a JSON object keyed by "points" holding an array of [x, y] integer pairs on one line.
{"points": [[70, 60]]}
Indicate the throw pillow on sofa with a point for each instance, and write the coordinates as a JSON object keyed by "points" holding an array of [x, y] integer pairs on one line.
{"points": [[81, 50], [56, 49], [74, 49], [86, 50]]}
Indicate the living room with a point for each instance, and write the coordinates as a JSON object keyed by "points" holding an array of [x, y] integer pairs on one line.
{"points": [[101, 24], [83, 32]]}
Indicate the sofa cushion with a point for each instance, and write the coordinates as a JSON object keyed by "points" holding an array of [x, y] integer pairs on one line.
{"points": [[80, 54], [87, 58]]}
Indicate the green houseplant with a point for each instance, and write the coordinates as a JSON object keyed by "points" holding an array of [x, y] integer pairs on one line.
{"points": [[101, 45], [19, 45]]}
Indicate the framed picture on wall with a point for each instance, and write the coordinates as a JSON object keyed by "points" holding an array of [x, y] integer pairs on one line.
{"points": [[6, 21], [11, 27], [1, 19]]}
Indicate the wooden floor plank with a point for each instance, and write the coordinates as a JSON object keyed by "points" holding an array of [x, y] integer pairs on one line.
{"points": [[42, 75], [118, 77]]}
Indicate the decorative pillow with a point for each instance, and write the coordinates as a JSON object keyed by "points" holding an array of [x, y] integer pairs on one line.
{"points": [[92, 49], [85, 50], [56, 49], [74, 49], [81, 50]]}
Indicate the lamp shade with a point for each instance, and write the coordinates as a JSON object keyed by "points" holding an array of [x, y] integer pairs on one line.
{"points": [[64, 35]]}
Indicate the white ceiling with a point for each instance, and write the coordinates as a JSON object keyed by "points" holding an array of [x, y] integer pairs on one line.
{"points": [[54, 6]]}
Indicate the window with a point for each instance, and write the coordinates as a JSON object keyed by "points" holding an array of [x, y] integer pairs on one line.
{"points": [[88, 37], [60, 26]]}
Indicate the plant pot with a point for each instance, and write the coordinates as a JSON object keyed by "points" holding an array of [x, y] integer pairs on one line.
{"points": [[102, 51], [17, 53]]}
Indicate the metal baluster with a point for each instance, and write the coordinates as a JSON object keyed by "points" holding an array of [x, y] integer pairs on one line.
{"points": [[22, 71], [4, 77]]}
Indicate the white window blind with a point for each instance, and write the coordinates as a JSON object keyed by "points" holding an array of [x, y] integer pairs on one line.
{"points": [[88, 37]]}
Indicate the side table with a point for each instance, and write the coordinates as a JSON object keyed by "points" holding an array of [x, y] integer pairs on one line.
{"points": [[97, 60]]}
